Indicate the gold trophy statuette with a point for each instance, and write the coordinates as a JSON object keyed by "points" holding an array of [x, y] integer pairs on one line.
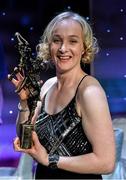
{"points": [[30, 67]]}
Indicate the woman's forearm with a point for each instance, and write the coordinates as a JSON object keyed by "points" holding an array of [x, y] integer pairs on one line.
{"points": [[22, 114], [88, 163]]}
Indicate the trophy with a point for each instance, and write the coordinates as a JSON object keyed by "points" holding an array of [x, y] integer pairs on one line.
{"points": [[31, 68]]}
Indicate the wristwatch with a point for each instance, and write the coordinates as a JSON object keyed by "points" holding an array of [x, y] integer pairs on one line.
{"points": [[53, 160]]}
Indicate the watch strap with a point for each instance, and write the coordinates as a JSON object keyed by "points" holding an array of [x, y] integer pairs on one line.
{"points": [[53, 160]]}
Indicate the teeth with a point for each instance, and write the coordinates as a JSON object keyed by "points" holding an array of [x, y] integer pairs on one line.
{"points": [[64, 57]]}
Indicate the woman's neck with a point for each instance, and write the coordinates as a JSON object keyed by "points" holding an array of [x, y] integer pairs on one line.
{"points": [[69, 78]]}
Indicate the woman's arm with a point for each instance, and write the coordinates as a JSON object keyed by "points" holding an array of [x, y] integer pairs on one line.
{"points": [[23, 107], [37, 151], [23, 112], [97, 125]]}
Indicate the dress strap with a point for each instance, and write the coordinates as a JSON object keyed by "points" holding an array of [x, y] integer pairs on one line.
{"points": [[80, 83]]}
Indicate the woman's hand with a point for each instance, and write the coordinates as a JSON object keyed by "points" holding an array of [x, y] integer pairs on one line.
{"points": [[24, 93], [37, 151]]}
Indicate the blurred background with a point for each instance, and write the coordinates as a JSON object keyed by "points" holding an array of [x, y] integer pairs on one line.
{"points": [[108, 20]]}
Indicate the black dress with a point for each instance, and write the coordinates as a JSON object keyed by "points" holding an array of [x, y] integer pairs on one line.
{"points": [[64, 127]]}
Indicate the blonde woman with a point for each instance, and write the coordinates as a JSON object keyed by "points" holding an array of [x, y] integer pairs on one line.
{"points": [[73, 137]]}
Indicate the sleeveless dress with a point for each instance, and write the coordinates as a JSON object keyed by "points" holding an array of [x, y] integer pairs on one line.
{"points": [[63, 134]]}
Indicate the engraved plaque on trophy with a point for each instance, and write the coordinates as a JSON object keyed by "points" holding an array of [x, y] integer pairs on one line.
{"points": [[26, 135]]}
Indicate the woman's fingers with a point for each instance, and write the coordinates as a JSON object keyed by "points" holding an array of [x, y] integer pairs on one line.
{"points": [[17, 74], [16, 144], [35, 138], [24, 93], [14, 81], [19, 77]]}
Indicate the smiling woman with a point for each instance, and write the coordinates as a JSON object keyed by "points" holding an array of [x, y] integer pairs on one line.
{"points": [[72, 121], [66, 46], [89, 41]]}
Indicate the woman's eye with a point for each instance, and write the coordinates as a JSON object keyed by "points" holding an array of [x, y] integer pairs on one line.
{"points": [[56, 40], [73, 41]]}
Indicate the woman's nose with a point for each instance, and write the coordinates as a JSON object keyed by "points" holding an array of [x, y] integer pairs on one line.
{"points": [[63, 48]]}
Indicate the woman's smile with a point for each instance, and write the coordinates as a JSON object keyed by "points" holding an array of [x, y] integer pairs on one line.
{"points": [[64, 58]]}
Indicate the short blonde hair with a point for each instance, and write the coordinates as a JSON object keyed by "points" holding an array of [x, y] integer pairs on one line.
{"points": [[90, 42]]}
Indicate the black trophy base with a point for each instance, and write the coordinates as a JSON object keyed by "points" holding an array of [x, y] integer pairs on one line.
{"points": [[26, 136]]}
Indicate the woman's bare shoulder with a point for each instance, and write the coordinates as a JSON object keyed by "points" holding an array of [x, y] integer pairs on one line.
{"points": [[90, 86], [92, 98], [47, 85]]}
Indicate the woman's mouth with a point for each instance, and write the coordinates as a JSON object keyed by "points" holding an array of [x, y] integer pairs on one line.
{"points": [[64, 58]]}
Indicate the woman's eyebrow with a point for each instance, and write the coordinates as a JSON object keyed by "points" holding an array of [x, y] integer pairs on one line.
{"points": [[73, 36]]}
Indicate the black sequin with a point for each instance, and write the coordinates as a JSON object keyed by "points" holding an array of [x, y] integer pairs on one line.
{"points": [[51, 127]]}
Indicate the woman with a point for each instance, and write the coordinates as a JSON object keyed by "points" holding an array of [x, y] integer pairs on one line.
{"points": [[74, 136]]}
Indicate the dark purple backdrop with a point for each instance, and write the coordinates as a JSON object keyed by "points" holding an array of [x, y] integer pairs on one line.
{"points": [[109, 22]]}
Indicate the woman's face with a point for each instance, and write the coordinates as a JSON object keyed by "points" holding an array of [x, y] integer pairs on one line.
{"points": [[66, 47]]}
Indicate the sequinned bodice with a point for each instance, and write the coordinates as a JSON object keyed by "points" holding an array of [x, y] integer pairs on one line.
{"points": [[63, 132]]}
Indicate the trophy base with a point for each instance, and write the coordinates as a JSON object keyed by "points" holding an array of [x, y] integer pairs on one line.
{"points": [[26, 136]]}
